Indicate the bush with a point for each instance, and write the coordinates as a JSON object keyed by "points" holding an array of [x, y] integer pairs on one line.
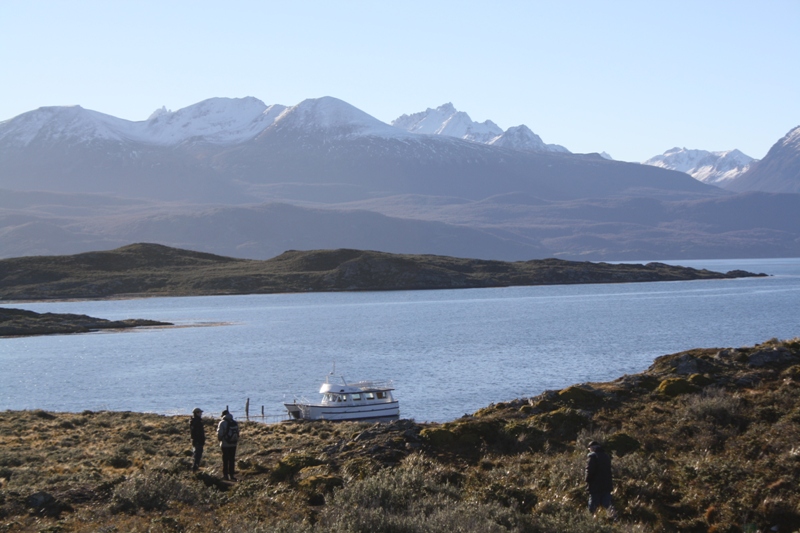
{"points": [[151, 491], [713, 405], [408, 500]]}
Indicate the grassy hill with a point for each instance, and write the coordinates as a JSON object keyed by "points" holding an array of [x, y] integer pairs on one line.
{"points": [[706, 440], [155, 270]]}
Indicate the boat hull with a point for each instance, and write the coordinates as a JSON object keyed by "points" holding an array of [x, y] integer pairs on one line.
{"points": [[378, 411]]}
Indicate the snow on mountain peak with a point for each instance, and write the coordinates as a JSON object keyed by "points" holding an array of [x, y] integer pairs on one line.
{"points": [[446, 120], [216, 120], [158, 112], [235, 120], [58, 123], [714, 168], [331, 114], [792, 138]]}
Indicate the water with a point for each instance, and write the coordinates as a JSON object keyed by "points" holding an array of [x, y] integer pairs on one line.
{"points": [[449, 352]]}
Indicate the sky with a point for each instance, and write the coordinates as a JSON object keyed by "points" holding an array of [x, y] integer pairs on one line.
{"points": [[631, 78]]}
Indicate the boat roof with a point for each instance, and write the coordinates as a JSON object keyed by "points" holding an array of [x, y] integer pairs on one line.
{"points": [[356, 387]]}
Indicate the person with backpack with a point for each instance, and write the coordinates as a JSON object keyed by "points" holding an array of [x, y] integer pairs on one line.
{"points": [[598, 479], [198, 437], [228, 435]]}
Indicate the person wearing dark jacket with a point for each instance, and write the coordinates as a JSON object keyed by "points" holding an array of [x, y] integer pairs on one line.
{"points": [[198, 437], [228, 435], [598, 478]]}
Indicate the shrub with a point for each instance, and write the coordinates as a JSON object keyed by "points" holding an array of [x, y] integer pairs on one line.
{"points": [[151, 491], [713, 405], [407, 500]]}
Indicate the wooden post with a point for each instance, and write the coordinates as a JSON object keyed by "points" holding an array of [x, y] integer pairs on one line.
{"points": [[263, 418], [247, 409]]}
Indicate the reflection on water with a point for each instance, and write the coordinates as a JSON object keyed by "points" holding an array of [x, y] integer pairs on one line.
{"points": [[448, 352]]}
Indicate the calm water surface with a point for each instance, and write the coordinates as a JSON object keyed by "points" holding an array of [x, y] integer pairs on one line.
{"points": [[448, 352]]}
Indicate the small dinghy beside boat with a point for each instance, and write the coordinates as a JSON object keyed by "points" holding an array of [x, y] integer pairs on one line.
{"points": [[363, 400]]}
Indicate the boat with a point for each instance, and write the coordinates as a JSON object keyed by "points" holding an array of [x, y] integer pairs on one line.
{"points": [[362, 400]]}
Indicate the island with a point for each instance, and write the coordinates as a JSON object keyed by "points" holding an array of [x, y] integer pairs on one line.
{"points": [[155, 270], [19, 322], [703, 440]]}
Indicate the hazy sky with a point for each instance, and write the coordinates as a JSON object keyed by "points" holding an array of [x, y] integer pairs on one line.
{"points": [[632, 78]]}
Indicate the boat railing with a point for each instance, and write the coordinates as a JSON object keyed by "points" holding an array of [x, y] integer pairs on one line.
{"points": [[373, 384]]}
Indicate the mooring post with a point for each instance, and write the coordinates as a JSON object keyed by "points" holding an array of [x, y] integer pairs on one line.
{"points": [[247, 409], [264, 418]]}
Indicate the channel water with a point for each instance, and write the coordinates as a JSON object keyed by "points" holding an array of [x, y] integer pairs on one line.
{"points": [[449, 352]]}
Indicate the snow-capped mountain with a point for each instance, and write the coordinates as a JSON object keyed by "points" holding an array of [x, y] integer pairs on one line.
{"points": [[53, 124], [714, 168], [221, 121], [241, 150], [217, 120], [229, 121], [334, 117], [779, 171], [446, 120]]}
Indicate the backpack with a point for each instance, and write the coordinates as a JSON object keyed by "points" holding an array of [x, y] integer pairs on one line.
{"points": [[232, 432]]}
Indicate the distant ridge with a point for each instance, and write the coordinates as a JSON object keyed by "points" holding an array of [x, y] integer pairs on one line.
{"points": [[155, 270]]}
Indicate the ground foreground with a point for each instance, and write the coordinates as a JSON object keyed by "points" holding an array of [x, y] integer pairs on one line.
{"points": [[704, 440]]}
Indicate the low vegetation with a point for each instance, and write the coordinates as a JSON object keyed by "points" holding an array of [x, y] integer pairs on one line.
{"points": [[706, 440], [155, 270]]}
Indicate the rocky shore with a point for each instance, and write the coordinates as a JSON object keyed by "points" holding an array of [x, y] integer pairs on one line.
{"points": [[704, 440]]}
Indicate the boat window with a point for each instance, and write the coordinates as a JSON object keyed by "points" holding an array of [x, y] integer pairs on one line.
{"points": [[342, 398], [356, 397], [381, 395], [370, 396]]}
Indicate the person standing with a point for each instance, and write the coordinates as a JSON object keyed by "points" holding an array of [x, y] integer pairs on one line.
{"points": [[198, 437], [228, 435], [598, 479]]}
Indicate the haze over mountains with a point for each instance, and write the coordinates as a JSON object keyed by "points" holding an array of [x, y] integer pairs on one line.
{"points": [[241, 178]]}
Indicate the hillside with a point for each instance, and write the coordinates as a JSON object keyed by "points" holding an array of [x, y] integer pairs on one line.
{"points": [[704, 440], [155, 270]]}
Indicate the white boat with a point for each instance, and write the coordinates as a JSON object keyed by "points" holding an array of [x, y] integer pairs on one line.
{"points": [[363, 400]]}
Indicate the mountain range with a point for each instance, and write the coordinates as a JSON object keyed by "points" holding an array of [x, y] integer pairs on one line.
{"points": [[241, 178]]}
